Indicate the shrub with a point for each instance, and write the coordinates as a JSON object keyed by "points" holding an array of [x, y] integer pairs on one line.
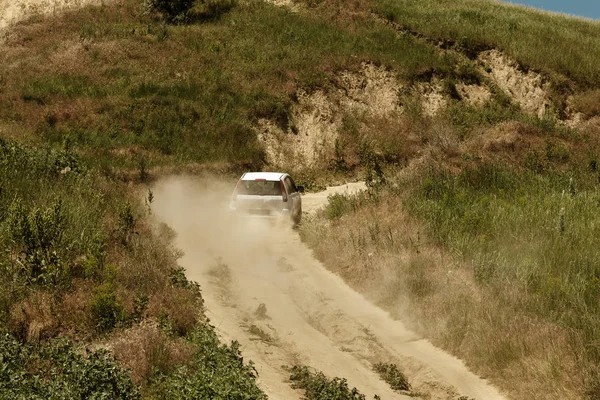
{"points": [[106, 309], [59, 370], [317, 386], [174, 11], [392, 375], [217, 372], [38, 233]]}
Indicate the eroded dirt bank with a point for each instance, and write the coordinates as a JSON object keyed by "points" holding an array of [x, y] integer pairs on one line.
{"points": [[12, 11], [263, 287]]}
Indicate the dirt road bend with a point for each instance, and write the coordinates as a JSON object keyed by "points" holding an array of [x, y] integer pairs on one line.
{"points": [[263, 287]]}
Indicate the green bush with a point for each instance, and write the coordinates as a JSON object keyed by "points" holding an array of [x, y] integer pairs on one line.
{"points": [[318, 387], [171, 10], [217, 372], [38, 233], [59, 370], [106, 309]]}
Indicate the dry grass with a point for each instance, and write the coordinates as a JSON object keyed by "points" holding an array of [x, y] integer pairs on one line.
{"points": [[146, 350], [72, 312], [34, 317], [387, 255], [588, 102]]}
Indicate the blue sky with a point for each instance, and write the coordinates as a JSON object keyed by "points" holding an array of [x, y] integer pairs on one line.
{"points": [[583, 8]]}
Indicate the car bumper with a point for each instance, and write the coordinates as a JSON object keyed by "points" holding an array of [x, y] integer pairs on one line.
{"points": [[262, 214]]}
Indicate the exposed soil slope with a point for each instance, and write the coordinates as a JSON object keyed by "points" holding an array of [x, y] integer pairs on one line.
{"points": [[264, 288], [13, 10]]}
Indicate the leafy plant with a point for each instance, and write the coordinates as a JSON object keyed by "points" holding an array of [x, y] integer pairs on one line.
{"points": [[60, 370], [217, 371], [106, 309], [318, 387]]}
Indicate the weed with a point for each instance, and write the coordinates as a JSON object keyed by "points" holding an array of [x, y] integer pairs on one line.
{"points": [[317, 386], [372, 163], [260, 334], [392, 375], [143, 166], [140, 308], [126, 223]]}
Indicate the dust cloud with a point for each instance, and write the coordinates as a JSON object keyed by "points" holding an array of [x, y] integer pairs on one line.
{"points": [[263, 287], [208, 232]]}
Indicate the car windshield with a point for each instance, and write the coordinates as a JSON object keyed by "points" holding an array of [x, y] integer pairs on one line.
{"points": [[260, 188]]}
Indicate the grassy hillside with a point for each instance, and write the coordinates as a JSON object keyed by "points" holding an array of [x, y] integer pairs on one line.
{"points": [[122, 85], [479, 225], [81, 262], [481, 220], [552, 43]]}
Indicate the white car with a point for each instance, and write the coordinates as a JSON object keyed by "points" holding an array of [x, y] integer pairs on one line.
{"points": [[267, 195]]}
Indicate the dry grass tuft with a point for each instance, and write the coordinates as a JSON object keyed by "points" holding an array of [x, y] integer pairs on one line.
{"points": [[588, 102], [34, 317], [180, 307], [145, 349]]}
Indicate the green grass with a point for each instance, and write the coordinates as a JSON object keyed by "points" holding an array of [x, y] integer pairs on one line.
{"points": [[545, 42], [539, 232]]}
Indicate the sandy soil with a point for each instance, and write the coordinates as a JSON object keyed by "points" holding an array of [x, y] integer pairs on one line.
{"points": [[12, 11], [263, 287]]}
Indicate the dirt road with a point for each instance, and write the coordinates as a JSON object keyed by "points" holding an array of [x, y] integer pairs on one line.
{"points": [[263, 287]]}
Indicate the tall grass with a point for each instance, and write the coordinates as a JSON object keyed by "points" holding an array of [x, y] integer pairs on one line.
{"points": [[541, 233]]}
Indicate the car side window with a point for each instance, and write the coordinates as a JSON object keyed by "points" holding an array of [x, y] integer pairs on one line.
{"points": [[289, 185], [292, 185]]}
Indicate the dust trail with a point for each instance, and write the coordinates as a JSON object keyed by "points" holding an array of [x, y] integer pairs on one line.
{"points": [[263, 287]]}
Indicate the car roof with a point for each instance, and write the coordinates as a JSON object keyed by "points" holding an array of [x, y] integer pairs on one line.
{"points": [[269, 176]]}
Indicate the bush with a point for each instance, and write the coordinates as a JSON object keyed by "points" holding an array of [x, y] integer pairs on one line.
{"points": [[38, 233], [217, 372], [317, 386], [174, 11], [106, 309], [59, 370]]}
